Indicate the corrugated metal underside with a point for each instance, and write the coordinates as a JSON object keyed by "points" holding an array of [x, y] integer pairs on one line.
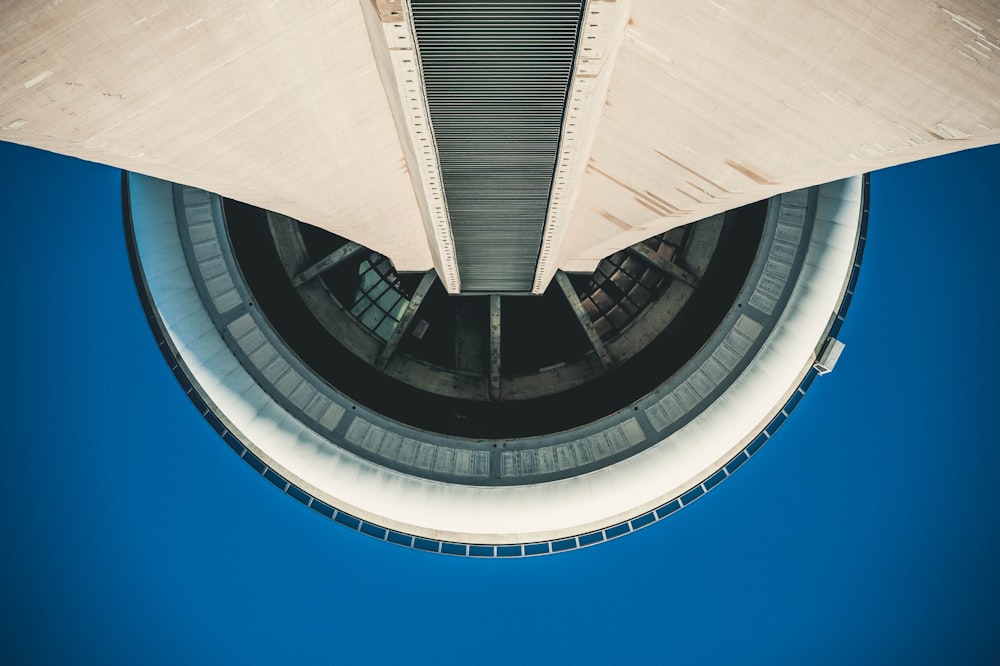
{"points": [[496, 76]]}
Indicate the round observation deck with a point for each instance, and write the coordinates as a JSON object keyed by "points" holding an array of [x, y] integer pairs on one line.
{"points": [[495, 424]]}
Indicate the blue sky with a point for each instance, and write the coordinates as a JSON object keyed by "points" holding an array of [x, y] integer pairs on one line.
{"points": [[865, 532]]}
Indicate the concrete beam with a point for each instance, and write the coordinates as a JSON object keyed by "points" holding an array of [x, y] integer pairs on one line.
{"points": [[393, 42], [581, 316], [601, 35], [331, 260], [405, 320], [494, 346], [652, 258]]}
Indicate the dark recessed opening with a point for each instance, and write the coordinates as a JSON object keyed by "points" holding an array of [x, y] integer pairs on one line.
{"points": [[537, 330]]}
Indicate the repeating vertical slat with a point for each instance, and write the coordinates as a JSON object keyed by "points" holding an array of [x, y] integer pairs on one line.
{"points": [[496, 76]]}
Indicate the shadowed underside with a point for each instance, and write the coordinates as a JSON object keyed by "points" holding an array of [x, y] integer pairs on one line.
{"points": [[699, 107]]}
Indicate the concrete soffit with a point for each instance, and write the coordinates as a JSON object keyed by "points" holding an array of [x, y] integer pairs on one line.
{"points": [[394, 45], [396, 51], [601, 35]]}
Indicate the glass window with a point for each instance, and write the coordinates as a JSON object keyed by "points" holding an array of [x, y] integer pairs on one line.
{"points": [[347, 519], [453, 548], [401, 539], [807, 382], [274, 478], [692, 495], [179, 374], [230, 439], [846, 303], [426, 544], [215, 423], [736, 462], [757, 443], [793, 402], [373, 530], [715, 479], [668, 509], [255, 462], [643, 520], [379, 300], [775, 423], [322, 508], [853, 284], [298, 494], [617, 530], [481, 551], [196, 400], [624, 284]]}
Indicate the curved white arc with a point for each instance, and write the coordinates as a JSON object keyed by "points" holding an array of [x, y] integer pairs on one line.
{"points": [[508, 514]]}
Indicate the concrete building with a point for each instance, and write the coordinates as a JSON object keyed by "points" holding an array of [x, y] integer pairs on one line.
{"points": [[582, 259]]}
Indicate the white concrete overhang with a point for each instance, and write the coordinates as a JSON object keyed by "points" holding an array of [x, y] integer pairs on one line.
{"points": [[708, 106], [506, 514]]}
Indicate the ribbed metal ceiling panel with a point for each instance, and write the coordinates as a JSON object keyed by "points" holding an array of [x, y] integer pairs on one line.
{"points": [[496, 76]]}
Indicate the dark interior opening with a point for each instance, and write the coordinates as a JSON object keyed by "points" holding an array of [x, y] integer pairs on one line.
{"points": [[535, 329]]}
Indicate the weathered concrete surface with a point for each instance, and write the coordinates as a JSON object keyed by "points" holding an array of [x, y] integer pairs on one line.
{"points": [[601, 35], [393, 44], [715, 104], [274, 103], [710, 105]]}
